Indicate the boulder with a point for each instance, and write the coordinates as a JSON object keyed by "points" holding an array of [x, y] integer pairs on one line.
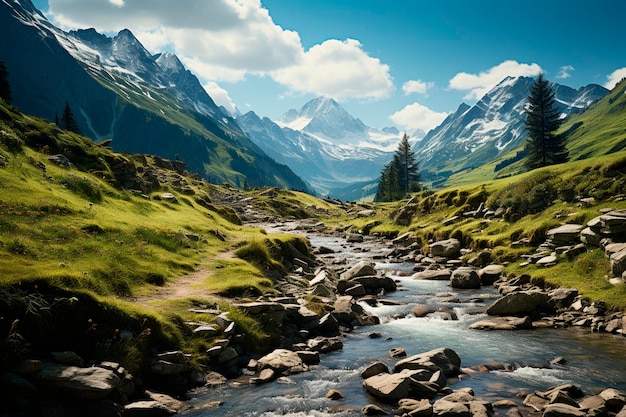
{"points": [[490, 274], [393, 387], [373, 410], [465, 278], [563, 297], [445, 408], [434, 274], [282, 361], [615, 399], [265, 376], [618, 263], [148, 408], [81, 383], [325, 344], [590, 237], [518, 303], [503, 323], [375, 369], [449, 248], [362, 268], [565, 235], [443, 359], [562, 410]]}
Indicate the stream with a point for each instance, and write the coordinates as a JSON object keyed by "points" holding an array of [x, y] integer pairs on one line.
{"points": [[593, 361]]}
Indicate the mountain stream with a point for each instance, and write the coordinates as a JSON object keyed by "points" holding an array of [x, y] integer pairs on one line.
{"points": [[593, 361]]}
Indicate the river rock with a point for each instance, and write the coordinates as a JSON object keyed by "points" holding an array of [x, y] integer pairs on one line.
{"points": [[375, 369], [490, 274], [615, 399], [393, 387], [265, 376], [562, 297], [618, 263], [373, 410], [447, 248], [373, 284], [444, 408], [443, 359], [148, 408], [362, 268], [346, 309], [562, 410], [81, 383], [325, 344], [434, 274], [465, 278], [518, 303], [503, 323], [414, 408], [282, 361]]}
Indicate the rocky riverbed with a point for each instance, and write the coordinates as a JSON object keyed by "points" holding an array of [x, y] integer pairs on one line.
{"points": [[349, 290]]}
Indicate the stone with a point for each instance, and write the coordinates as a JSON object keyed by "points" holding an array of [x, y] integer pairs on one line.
{"points": [[227, 356], [206, 330], [265, 376], [433, 274], [444, 408], [563, 297], [535, 401], [547, 260], [618, 263], [214, 379], [518, 303], [309, 357], [81, 383], [149, 408], [283, 362], [503, 323], [67, 358], [412, 407], [357, 290], [447, 248], [615, 399], [465, 278], [562, 410], [443, 359], [166, 400], [334, 395], [490, 274], [566, 234], [590, 237], [397, 353], [373, 410], [374, 369], [393, 387], [362, 268], [325, 344]]}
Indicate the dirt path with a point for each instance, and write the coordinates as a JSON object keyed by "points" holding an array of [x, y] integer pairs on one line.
{"points": [[185, 286]]}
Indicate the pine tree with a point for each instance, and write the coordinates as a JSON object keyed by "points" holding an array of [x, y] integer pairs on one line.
{"points": [[400, 176], [68, 122], [543, 119], [5, 87]]}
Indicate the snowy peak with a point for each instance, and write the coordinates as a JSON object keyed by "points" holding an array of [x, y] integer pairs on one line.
{"points": [[169, 63]]}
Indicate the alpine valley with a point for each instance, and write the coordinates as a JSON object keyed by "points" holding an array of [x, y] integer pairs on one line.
{"points": [[151, 104]]}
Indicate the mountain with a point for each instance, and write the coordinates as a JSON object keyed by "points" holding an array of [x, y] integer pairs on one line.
{"points": [[475, 135], [117, 90], [336, 153]]}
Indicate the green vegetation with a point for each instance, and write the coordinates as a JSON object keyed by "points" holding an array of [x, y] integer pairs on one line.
{"points": [[400, 176], [543, 119]]}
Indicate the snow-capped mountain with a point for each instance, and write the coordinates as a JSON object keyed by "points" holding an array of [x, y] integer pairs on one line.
{"points": [[325, 145], [475, 135], [118, 90]]}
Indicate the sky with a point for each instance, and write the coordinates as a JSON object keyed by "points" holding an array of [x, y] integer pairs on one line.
{"points": [[402, 63]]}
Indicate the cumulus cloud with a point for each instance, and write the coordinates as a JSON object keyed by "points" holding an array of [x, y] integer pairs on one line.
{"points": [[338, 69], [479, 84], [613, 78], [220, 96], [565, 71], [417, 116], [417, 87]]}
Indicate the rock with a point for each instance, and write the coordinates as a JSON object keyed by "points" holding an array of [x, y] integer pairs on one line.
{"points": [[594, 406], [590, 237], [283, 362], [147, 409], [562, 410], [357, 290], [460, 396], [325, 344], [443, 359], [373, 410], [563, 297], [547, 260], [615, 399], [60, 160], [618, 263], [214, 379], [322, 290], [374, 284], [447, 248], [309, 357], [444, 408], [434, 274], [227, 356], [420, 408], [362, 268], [67, 358], [465, 278], [82, 383], [265, 376], [328, 325], [536, 401], [334, 395], [354, 238], [518, 303], [323, 277], [206, 330], [397, 353], [490, 274], [393, 387], [375, 369], [565, 235], [503, 323], [421, 310], [169, 402]]}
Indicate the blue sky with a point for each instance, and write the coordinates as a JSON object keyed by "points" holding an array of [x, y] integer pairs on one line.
{"points": [[404, 63]]}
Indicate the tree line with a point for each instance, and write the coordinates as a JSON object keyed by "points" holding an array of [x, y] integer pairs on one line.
{"points": [[400, 176]]}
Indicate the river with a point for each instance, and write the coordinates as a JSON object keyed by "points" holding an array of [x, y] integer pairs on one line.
{"points": [[593, 361]]}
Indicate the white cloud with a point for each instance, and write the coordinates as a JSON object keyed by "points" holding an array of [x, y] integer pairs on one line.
{"points": [[417, 87], [613, 78], [225, 40], [417, 116], [338, 69], [565, 71], [220, 96], [479, 84]]}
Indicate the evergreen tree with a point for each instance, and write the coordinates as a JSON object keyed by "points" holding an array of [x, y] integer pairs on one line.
{"points": [[5, 87], [400, 176], [68, 122], [543, 119]]}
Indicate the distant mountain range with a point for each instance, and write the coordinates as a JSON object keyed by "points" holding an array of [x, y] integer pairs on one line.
{"points": [[336, 153], [145, 103], [475, 135]]}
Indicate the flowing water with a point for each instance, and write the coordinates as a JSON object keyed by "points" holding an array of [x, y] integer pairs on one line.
{"points": [[593, 361]]}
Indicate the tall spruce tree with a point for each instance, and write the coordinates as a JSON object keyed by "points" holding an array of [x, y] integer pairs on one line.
{"points": [[5, 87], [400, 176], [543, 119], [68, 122]]}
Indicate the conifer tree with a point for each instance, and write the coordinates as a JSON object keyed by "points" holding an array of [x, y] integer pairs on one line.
{"points": [[68, 122], [5, 87], [400, 176], [543, 119]]}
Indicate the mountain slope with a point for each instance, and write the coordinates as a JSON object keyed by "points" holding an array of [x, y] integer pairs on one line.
{"points": [[476, 135], [334, 152], [146, 104]]}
